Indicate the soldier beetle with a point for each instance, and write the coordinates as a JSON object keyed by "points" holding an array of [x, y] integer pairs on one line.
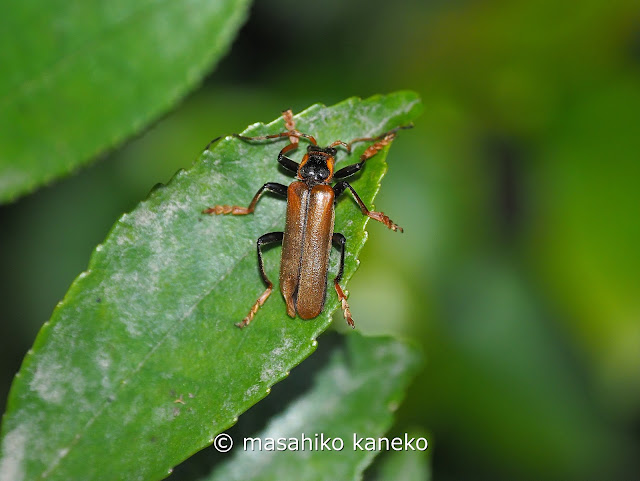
{"points": [[308, 235]]}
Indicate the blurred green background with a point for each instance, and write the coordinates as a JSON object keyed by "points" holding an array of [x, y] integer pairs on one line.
{"points": [[518, 191]]}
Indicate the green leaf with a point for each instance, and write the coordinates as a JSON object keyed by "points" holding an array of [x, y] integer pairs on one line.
{"points": [[410, 465], [352, 399], [151, 321], [79, 77]]}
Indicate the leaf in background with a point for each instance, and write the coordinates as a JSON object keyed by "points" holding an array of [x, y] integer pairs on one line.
{"points": [[141, 365], [414, 465], [79, 77], [355, 394]]}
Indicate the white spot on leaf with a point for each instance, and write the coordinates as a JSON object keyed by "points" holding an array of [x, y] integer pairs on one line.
{"points": [[13, 451]]}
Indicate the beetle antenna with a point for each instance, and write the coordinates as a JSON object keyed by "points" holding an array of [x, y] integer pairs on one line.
{"points": [[344, 144], [292, 133], [381, 136], [212, 142]]}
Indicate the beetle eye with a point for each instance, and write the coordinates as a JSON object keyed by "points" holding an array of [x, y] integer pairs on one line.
{"points": [[332, 152]]}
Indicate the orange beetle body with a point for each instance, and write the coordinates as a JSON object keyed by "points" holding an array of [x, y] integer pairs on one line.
{"points": [[309, 231]]}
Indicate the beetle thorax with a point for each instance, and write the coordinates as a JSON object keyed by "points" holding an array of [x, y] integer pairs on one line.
{"points": [[317, 165]]}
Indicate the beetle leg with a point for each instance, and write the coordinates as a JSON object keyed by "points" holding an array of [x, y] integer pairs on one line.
{"points": [[286, 162], [341, 241], [379, 216], [262, 240], [290, 125], [237, 210]]}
